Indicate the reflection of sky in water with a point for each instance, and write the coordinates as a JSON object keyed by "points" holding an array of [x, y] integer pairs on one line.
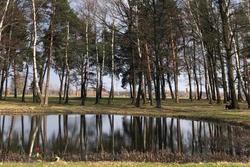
{"points": [[74, 124], [122, 130], [74, 121]]}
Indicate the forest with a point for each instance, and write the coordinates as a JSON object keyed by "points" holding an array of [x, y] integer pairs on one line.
{"points": [[148, 45], [188, 60]]}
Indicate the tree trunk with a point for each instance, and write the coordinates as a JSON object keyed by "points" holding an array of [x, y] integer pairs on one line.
{"points": [[97, 74], [82, 74], [132, 52], [15, 78], [224, 82], [206, 78], [103, 65], [111, 93], [200, 93], [246, 90], [3, 18], [148, 75], [133, 77], [25, 82], [227, 44], [67, 67], [176, 69], [163, 84], [237, 60], [188, 68], [206, 68], [157, 66], [214, 62], [61, 78], [86, 66], [170, 85], [8, 64], [6, 83], [141, 87], [46, 92], [195, 70], [2, 83], [211, 78], [140, 92], [36, 85], [41, 75]]}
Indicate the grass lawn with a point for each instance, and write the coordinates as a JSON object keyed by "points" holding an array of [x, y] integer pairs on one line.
{"points": [[185, 109], [123, 164]]}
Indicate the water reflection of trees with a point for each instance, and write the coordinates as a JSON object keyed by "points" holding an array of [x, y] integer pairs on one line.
{"points": [[87, 134]]}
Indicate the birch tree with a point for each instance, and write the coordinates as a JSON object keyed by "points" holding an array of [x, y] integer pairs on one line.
{"points": [[35, 76], [3, 18]]}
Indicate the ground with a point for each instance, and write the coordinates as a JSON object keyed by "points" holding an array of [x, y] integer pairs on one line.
{"points": [[197, 110], [123, 164]]}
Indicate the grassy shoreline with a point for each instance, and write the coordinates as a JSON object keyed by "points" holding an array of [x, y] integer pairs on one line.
{"points": [[197, 110], [123, 164]]}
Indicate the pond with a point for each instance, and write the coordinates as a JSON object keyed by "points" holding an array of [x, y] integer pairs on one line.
{"points": [[117, 137]]}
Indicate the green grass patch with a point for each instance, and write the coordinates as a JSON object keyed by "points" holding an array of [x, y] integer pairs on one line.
{"points": [[197, 110]]}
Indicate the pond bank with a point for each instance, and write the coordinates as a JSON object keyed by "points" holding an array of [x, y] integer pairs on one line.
{"points": [[136, 158], [123, 164], [197, 110]]}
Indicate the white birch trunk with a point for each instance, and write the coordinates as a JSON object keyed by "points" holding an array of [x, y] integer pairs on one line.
{"points": [[37, 88], [3, 18]]}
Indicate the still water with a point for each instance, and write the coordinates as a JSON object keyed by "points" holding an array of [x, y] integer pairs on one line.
{"points": [[82, 135]]}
